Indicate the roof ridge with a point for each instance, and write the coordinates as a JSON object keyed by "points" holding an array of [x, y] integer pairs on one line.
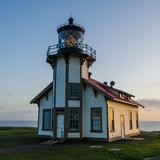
{"points": [[106, 87], [111, 88]]}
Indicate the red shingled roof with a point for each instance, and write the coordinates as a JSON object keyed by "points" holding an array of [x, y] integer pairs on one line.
{"points": [[111, 93]]}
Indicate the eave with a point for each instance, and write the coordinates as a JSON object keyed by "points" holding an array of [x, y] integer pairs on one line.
{"points": [[37, 98], [136, 104]]}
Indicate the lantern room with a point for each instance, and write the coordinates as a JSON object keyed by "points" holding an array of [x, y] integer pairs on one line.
{"points": [[70, 35], [70, 42]]}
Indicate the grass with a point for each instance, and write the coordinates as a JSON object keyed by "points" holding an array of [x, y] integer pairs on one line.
{"points": [[131, 150], [10, 137]]}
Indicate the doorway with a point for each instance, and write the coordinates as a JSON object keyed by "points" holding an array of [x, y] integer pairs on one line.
{"points": [[60, 125], [122, 126]]}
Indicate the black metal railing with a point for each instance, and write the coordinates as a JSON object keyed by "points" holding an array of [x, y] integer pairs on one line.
{"points": [[86, 49]]}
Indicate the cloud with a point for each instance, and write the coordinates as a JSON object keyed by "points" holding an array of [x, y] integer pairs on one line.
{"points": [[154, 103], [150, 85], [151, 111], [7, 94]]}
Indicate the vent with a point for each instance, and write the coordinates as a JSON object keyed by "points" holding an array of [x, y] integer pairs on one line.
{"points": [[112, 83], [89, 75], [105, 83]]}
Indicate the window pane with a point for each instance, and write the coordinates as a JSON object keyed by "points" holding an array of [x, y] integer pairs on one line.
{"points": [[111, 119], [96, 117], [74, 90], [137, 125], [74, 119], [130, 120], [46, 119]]}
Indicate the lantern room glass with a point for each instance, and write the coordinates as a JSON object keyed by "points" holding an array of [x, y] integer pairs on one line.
{"points": [[70, 38]]}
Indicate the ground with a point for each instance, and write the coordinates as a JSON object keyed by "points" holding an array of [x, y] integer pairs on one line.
{"points": [[23, 143]]}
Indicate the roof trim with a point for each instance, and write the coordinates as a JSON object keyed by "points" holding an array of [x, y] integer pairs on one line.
{"points": [[42, 93], [120, 91], [130, 103]]}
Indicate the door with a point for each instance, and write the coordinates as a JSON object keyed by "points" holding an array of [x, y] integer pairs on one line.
{"points": [[60, 125], [122, 126]]}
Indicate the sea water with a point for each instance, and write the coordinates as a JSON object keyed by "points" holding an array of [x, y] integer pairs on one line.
{"points": [[144, 125], [18, 124], [150, 125]]}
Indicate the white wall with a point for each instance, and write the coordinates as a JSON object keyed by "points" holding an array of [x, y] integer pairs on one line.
{"points": [[60, 82], [44, 104], [123, 109], [74, 77], [73, 135], [90, 101], [85, 70], [74, 103], [74, 69]]}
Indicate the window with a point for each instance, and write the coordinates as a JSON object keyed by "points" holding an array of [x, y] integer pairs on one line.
{"points": [[74, 119], [74, 90], [130, 120], [111, 120], [129, 97], [121, 95], [46, 119], [137, 124], [96, 119]]}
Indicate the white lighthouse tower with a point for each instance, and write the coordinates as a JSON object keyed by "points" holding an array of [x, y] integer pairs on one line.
{"points": [[70, 60]]}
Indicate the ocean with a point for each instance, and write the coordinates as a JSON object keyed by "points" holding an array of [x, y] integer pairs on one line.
{"points": [[18, 124], [150, 125], [144, 125]]}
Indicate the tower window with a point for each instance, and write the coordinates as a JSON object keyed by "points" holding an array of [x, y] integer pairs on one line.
{"points": [[96, 119], [74, 119], [111, 120], [46, 119], [74, 90]]}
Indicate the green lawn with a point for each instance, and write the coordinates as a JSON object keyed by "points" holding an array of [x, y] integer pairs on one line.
{"points": [[131, 150], [10, 137]]}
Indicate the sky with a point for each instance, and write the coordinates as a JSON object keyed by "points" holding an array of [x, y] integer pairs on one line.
{"points": [[125, 34]]}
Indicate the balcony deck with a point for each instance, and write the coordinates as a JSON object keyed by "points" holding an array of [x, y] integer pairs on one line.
{"points": [[85, 49]]}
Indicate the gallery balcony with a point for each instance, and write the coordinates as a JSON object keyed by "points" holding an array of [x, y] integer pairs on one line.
{"points": [[82, 50]]}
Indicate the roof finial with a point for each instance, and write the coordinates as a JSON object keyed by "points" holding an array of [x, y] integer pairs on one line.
{"points": [[70, 20]]}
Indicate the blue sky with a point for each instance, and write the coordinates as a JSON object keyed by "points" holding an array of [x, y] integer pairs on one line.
{"points": [[125, 34]]}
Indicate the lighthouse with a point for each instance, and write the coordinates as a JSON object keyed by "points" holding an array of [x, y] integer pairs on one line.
{"points": [[70, 60], [76, 106]]}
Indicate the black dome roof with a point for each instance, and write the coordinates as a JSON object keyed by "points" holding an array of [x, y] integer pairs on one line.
{"points": [[71, 26]]}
